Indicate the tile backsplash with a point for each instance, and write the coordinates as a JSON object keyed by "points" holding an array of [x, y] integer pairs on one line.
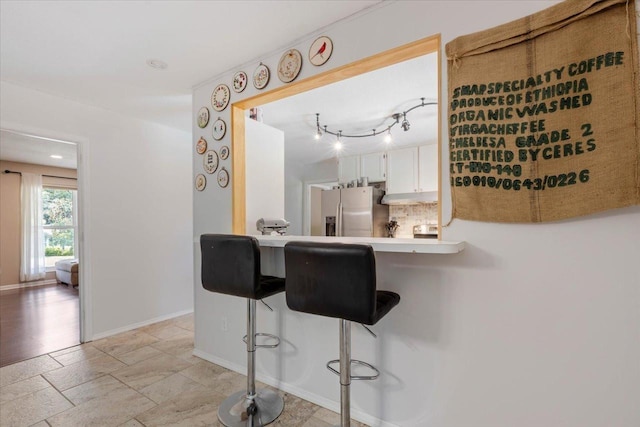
{"points": [[409, 215]]}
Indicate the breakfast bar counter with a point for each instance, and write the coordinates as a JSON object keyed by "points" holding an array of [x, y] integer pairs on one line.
{"points": [[379, 244], [415, 269]]}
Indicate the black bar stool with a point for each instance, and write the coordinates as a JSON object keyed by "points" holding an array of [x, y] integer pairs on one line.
{"points": [[231, 265], [337, 280]]}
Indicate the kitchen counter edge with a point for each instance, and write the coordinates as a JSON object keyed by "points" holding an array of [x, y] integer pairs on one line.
{"points": [[379, 244]]}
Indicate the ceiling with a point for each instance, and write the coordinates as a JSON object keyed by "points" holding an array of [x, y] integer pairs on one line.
{"points": [[95, 52], [15, 147], [357, 106]]}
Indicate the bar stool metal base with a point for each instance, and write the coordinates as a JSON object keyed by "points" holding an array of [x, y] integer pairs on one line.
{"points": [[240, 411]]}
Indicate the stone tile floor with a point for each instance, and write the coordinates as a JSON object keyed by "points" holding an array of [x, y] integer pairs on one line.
{"points": [[144, 377]]}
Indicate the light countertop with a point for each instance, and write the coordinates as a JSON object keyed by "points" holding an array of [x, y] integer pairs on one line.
{"points": [[379, 244]]}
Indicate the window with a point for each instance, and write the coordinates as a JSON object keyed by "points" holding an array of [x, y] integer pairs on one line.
{"points": [[60, 224]]}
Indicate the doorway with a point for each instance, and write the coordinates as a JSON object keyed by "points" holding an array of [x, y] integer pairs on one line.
{"points": [[40, 252], [312, 203]]}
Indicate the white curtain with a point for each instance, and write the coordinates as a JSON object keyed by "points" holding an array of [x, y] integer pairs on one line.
{"points": [[76, 248], [32, 254]]}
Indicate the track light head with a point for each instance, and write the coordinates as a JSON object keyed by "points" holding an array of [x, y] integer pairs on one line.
{"points": [[388, 138], [405, 123]]}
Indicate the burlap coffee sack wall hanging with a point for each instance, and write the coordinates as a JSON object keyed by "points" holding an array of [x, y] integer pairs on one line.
{"points": [[543, 113]]}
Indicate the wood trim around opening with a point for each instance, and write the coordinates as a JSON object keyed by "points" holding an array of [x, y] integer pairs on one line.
{"points": [[383, 59]]}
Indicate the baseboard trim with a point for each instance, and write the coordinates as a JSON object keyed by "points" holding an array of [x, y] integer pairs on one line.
{"points": [[139, 324], [296, 391], [28, 284]]}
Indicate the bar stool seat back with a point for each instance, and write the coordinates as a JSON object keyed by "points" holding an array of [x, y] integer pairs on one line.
{"points": [[335, 280], [232, 267]]}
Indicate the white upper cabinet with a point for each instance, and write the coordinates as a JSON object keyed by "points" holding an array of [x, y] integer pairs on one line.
{"points": [[402, 169], [348, 169], [374, 167], [413, 169], [428, 167]]}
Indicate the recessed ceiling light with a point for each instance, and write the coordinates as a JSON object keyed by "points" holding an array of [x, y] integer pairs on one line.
{"points": [[157, 64], [55, 156]]}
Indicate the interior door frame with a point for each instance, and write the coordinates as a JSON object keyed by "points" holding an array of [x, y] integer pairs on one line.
{"points": [[306, 203], [85, 332]]}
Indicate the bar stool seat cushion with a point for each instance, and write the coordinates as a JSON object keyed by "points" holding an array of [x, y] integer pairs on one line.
{"points": [[269, 285], [232, 267], [335, 280], [385, 301]]}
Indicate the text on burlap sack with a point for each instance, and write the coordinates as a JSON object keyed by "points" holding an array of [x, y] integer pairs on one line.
{"points": [[496, 128]]}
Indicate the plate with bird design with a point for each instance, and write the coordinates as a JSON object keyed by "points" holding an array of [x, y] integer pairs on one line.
{"points": [[320, 50]]}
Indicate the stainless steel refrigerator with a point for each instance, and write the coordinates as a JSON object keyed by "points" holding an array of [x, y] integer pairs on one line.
{"points": [[354, 212]]}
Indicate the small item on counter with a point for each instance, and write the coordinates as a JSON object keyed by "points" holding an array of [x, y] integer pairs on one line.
{"points": [[391, 228], [268, 225]]}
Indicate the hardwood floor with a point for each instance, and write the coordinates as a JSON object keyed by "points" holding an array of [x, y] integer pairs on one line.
{"points": [[38, 320]]}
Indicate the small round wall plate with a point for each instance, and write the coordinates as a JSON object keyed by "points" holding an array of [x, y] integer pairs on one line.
{"points": [[223, 178], [201, 182], [219, 129], [320, 50], [224, 152], [203, 117], [240, 81], [261, 76], [210, 161], [220, 97], [289, 65], [201, 146]]}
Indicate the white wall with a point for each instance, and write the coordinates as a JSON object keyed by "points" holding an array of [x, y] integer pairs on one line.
{"points": [[264, 162], [532, 325], [137, 205]]}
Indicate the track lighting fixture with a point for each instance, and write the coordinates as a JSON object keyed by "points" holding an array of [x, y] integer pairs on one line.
{"points": [[338, 143], [405, 125], [388, 138], [318, 131]]}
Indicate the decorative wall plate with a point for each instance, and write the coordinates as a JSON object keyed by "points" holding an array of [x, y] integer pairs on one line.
{"points": [[320, 50], [219, 129], [201, 146], [224, 152], [201, 182], [210, 161], [261, 76], [220, 97], [203, 117], [289, 65], [223, 178], [240, 81]]}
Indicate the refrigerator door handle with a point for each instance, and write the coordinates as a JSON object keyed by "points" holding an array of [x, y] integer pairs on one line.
{"points": [[339, 220]]}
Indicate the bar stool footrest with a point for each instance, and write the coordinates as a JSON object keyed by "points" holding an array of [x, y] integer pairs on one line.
{"points": [[259, 334], [355, 362]]}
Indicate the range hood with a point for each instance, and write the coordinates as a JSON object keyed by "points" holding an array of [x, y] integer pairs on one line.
{"points": [[410, 198]]}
